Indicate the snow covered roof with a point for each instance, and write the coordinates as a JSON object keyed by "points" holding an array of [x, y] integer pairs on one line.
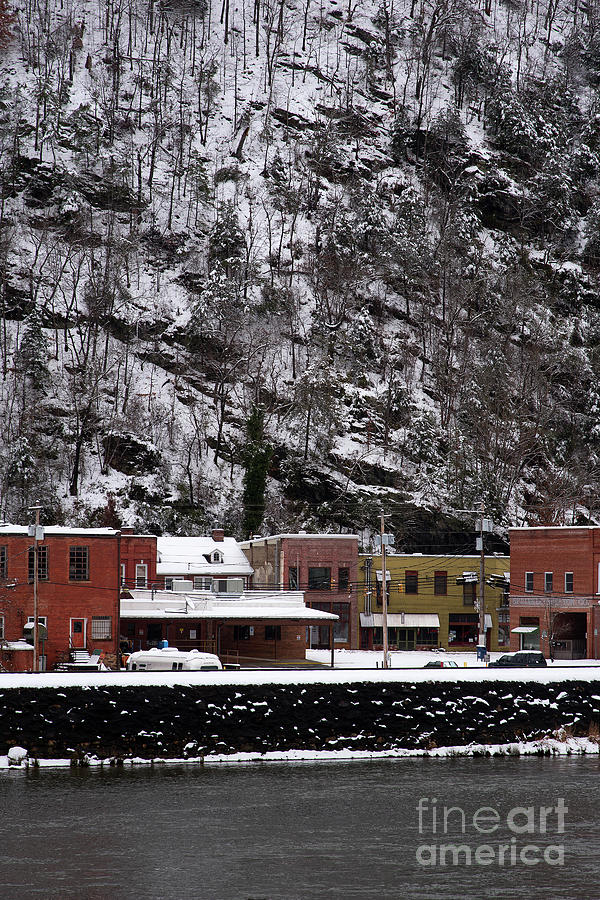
{"points": [[146, 604], [553, 527], [299, 536], [59, 530], [193, 555]]}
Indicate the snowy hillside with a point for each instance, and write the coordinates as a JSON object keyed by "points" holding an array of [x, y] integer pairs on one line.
{"points": [[274, 264]]}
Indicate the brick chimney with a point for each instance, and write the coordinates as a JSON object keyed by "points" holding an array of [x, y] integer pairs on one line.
{"points": [[218, 535], [127, 529]]}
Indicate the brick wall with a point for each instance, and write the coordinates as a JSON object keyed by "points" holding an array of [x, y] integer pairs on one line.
{"points": [[138, 549], [61, 600], [273, 557], [557, 551]]}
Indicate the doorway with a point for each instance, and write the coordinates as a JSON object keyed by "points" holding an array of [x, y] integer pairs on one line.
{"points": [[77, 634]]}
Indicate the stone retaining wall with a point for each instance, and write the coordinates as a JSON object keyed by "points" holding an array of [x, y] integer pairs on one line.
{"points": [[184, 720]]}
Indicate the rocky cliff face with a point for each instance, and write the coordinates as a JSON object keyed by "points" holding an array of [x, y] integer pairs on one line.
{"points": [[276, 264]]}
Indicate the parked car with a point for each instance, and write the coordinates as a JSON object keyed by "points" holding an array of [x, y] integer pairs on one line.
{"points": [[441, 664], [521, 658]]}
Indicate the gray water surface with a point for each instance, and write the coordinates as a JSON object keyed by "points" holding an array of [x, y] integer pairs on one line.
{"points": [[297, 831]]}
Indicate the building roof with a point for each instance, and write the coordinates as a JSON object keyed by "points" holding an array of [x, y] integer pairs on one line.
{"points": [[553, 527], [59, 530], [191, 556], [145, 604], [299, 536]]}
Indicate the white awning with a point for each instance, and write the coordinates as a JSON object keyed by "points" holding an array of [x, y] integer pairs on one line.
{"points": [[401, 620], [488, 621], [524, 629]]}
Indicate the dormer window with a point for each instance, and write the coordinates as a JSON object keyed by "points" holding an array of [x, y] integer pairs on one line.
{"points": [[217, 556]]}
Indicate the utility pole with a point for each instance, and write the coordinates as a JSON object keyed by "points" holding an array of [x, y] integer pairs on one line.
{"points": [[35, 529], [384, 593], [482, 641]]}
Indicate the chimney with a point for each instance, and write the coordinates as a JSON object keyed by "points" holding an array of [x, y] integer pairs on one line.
{"points": [[218, 535], [128, 529]]}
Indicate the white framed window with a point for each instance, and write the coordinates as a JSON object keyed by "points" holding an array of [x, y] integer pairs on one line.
{"points": [[201, 583], [568, 582], [529, 582], [141, 575], [123, 573], [217, 556], [101, 628], [2, 628], [42, 620], [548, 582], [169, 583]]}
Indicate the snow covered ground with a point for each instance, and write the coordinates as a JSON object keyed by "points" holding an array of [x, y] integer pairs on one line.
{"points": [[414, 672], [416, 659], [548, 746]]}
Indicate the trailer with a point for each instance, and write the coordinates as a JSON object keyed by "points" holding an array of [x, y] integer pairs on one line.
{"points": [[170, 659]]}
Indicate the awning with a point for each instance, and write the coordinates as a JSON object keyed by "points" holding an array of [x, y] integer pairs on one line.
{"points": [[379, 574], [401, 620], [524, 629], [488, 621]]}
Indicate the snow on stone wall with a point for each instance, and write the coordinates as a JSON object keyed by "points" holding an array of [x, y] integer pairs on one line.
{"points": [[199, 720]]}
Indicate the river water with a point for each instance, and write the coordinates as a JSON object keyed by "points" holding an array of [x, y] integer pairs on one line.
{"points": [[306, 830]]}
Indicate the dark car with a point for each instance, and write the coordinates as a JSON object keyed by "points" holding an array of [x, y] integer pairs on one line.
{"points": [[441, 664], [521, 658]]}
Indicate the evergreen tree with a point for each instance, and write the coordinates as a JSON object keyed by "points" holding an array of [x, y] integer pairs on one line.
{"points": [[257, 456], [33, 351]]}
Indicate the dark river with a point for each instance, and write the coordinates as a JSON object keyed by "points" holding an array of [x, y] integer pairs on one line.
{"points": [[299, 831]]}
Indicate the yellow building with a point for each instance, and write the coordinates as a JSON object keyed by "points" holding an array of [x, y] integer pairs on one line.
{"points": [[433, 601]]}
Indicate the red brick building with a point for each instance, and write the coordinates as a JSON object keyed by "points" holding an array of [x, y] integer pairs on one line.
{"points": [[555, 590], [78, 590], [138, 559], [253, 627], [324, 566]]}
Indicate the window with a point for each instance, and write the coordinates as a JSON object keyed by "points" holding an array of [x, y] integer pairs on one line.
{"points": [[201, 583], [42, 620], [530, 641], [529, 582], [463, 628], [272, 632], [293, 578], [343, 578], [427, 637], [319, 578], [548, 579], [411, 582], [123, 574], [568, 582], [217, 556], [1, 627], [101, 628], [440, 583], [42, 558], [3, 562], [141, 575], [341, 627], [169, 583], [469, 593], [241, 632], [79, 563]]}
